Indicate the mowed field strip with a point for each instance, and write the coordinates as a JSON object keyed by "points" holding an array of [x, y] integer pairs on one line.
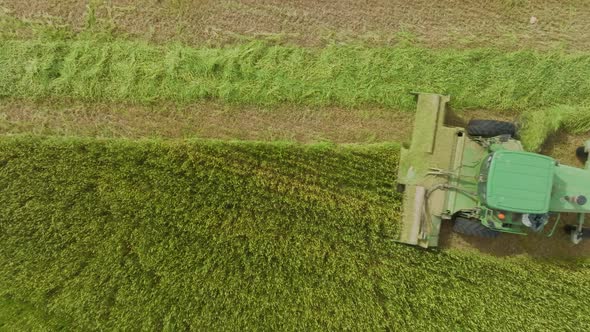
{"points": [[503, 24], [549, 89], [214, 120]]}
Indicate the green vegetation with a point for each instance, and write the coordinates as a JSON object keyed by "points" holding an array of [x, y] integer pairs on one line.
{"points": [[15, 316], [260, 73], [247, 236], [105, 234]]}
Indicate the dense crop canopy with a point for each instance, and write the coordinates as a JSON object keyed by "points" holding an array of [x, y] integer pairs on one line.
{"points": [[107, 234]]}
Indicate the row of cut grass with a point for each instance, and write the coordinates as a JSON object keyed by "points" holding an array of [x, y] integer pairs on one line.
{"points": [[167, 235], [261, 73]]}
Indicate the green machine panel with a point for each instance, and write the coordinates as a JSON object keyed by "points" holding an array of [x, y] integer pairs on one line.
{"points": [[520, 181]]}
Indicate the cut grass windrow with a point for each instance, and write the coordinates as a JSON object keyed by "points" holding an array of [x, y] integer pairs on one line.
{"points": [[263, 74], [167, 235]]}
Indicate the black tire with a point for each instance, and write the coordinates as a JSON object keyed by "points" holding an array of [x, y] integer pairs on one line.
{"points": [[472, 227], [400, 188], [581, 154], [570, 228], [490, 128]]}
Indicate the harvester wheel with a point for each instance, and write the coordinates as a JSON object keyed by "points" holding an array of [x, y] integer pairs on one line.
{"points": [[581, 154], [490, 128], [472, 227]]}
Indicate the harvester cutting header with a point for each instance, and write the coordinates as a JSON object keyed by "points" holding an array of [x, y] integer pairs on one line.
{"points": [[480, 178]]}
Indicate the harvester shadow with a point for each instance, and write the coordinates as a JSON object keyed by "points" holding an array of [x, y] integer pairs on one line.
{"points": [[533, 245], [552, 142], [562, 146]]}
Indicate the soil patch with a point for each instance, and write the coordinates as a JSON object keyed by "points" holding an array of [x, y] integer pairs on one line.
{"points": [[511, 24]]}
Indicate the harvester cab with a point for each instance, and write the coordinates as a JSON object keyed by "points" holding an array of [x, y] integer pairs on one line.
{"points": [[480, 178]]}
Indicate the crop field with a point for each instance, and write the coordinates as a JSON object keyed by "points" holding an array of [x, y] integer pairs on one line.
{"points": [[234, 235], [231, 165]]}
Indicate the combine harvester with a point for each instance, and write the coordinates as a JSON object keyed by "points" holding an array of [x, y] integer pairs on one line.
{"points": [[481, 179]]}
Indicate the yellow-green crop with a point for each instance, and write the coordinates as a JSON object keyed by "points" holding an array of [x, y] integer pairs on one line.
{"points": [[177, 235]]}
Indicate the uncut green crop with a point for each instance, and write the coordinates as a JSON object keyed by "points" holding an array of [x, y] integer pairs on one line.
{"points": [[260, 73], [166, 235]]}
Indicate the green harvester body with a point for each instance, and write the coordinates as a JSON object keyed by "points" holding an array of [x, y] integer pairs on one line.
{"points": [[445, 173]]}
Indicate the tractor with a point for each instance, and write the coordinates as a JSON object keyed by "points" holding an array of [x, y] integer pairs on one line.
{"points": [[481, 179]]}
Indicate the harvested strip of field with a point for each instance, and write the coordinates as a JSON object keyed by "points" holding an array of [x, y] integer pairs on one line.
{"points": [[235, 235], [502, 24], [204, 120], [261, 74], [56, 117]]}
